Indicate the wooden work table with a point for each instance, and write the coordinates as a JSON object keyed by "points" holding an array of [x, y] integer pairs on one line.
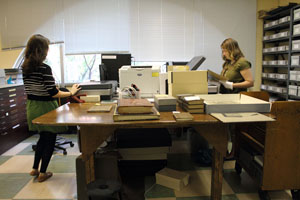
{"points": [[95, 128]]}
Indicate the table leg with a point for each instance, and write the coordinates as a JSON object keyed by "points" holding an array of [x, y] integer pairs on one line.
{"points": [[217, 175], [217, 136], [91, 137]]}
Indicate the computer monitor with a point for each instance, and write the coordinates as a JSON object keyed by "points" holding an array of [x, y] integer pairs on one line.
{"points": [[103, 72], [195, 63]]}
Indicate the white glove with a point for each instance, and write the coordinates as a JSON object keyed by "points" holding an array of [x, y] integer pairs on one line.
{"points": [[227, 84]]}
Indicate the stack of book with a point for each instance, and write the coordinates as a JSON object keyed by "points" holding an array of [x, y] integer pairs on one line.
{"points": [[135, 109], [165, 102], [192, 104]]}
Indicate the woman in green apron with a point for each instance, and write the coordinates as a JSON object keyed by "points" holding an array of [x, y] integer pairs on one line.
{"points": [[41, 92]]}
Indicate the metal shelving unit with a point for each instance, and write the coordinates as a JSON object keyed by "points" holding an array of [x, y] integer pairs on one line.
{"points": [[278, 47]]}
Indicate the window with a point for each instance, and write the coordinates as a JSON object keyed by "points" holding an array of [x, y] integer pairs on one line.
{"points": [[54, 61], [82, 68]]}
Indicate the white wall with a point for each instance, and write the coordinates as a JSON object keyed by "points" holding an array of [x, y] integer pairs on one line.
{"points": [[212, 20]]}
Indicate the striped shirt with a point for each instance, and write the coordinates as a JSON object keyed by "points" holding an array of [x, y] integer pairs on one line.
{"points": [[40, 84]]}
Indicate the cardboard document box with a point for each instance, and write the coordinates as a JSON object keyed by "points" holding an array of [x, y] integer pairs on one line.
{"points": [[172, 178], [187, 82], [232, 103]]}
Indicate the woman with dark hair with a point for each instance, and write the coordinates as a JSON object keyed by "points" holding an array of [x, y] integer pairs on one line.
{"points": [[235, 68], [41, 93]]}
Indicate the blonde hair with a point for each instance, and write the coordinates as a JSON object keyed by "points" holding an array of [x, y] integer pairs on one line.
{"points": [[35, 53], [233, 49]]}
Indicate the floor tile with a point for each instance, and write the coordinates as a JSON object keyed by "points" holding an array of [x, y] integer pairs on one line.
{"points": [[60, 186], [278, 195], [3, 159], [62, 164], [27, 151], [16, 149], [17, 164], [32, 139], [153, 190], [248, 196], [199, 185], [242, 183], [11, 184]]}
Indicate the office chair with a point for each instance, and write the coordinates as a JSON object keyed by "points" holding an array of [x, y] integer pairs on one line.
{"points": [[59, 144]]}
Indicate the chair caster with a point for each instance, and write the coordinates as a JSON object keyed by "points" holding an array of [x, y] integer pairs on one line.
{"points": [[72, 145], [65, 152], [238, 168], [295, 194]]}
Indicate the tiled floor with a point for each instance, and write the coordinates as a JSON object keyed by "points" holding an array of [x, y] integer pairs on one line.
{"points": [[15, 182]]}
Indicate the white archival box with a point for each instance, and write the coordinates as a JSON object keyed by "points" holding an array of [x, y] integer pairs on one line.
{"points": [[145, 78], [234, 103]]}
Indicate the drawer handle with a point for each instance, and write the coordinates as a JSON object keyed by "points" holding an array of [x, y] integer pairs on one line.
{"points": [[12, 90], [12, 100], [5, 133], [16, 126], [13, 105], [12, 95]]}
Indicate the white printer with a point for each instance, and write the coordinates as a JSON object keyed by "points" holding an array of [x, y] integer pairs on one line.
{"points": [[146, 78]]}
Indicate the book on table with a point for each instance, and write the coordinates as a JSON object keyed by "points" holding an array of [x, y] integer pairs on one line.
{"points": [[183, 116], [134, 106], [136, 116], [99, 108]]}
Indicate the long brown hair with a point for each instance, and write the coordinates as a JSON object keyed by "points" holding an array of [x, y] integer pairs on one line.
{"points": [[233, 49], [35, 53]]}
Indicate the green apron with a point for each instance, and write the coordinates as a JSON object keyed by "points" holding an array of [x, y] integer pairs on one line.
{"points": [[38, 108]]}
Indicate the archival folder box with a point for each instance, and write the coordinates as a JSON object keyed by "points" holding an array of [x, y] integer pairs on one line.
{"points": [[135, 117], [234, 103], [187, 82]]}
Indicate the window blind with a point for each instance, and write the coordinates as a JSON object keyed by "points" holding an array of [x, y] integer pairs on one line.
{"points": [[21, 19], [96, 26]]}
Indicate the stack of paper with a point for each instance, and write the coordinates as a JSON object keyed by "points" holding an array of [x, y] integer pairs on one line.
{"points": [[165, 102], [192, 104]]}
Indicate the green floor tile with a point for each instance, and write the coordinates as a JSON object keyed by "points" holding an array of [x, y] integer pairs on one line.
{"points": [[3, 159], [11, 184], [62, 164], [153, 190], [27, 151]]}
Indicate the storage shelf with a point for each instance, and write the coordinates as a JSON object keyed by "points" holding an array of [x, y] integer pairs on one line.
{"points": [[292, 81], [278, 26], [277, 40], [277, 14], [276, 52], [274, 79], [276, 66], [294, 97]]}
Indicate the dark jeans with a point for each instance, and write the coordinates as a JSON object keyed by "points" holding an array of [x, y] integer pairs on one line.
{"points": [[44, 150]]}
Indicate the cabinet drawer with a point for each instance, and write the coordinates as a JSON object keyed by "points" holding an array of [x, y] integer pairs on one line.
{"points": [[12, 137]]}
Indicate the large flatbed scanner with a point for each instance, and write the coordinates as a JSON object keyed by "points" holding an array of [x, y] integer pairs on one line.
{"points": [[105, 89]]}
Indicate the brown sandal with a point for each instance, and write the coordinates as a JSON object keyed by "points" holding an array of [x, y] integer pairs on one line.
{"points": [[44, 176], [34, 173]]}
